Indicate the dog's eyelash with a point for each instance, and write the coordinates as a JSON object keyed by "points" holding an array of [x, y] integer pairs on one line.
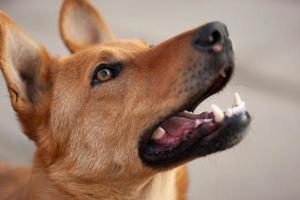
{"points": [[115, 68]]}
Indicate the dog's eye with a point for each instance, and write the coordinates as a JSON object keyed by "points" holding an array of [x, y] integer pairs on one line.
{"points": [[106, 72]]}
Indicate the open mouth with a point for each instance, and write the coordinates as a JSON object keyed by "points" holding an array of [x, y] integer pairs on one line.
{"points": [[185, 135]]}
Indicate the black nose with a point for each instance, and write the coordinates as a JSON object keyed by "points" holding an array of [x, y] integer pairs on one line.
{"points": [[211, 34]]}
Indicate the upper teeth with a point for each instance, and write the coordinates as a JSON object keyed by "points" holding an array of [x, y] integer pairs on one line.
{"points": [[185, 111], [238, 107]]}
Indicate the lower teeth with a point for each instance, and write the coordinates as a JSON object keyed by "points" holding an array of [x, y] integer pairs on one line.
{"points": [[238, 107]]}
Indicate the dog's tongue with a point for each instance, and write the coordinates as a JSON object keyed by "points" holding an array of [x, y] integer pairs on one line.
{"points": [[177, 126]]}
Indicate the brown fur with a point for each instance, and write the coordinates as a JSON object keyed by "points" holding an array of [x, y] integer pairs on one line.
{"points": [[86, 137]]}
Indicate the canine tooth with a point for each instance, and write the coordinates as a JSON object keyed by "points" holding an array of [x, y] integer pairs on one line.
{"points": [[237, 99], [159, 133], [229, 112], [242, 106], [222, 73], [218, 113]]}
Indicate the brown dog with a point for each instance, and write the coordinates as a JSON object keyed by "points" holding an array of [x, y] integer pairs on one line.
{"points": [[108, 120]]}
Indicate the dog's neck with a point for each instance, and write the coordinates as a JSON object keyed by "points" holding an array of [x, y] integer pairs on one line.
{"points": [[160, 186]]}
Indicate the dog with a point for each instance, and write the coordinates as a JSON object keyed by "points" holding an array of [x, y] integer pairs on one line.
{"points": [[114, 119]]}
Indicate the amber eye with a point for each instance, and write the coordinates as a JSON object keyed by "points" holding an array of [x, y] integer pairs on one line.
{"points": [[106, 72]]}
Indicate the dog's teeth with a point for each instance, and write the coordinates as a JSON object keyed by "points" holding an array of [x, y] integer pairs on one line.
{"points": [[237, 99], [218, 113], [222, 73], [188, 112], [239, 109], [229, 112], [235, 110], [207, 120], [159, 133], [243, 106]]}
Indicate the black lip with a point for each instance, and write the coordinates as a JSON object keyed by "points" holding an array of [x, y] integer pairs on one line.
{"points": [[216, 87]]}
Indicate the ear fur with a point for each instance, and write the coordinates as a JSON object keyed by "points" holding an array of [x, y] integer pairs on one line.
{"points": [[24, 64], [81, 25]]}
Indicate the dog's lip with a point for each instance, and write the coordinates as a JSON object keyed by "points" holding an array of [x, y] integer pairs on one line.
{"points": [[217, 85]]}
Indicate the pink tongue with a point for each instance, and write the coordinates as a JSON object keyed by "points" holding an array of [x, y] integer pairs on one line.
{"points": [[178, 126]]}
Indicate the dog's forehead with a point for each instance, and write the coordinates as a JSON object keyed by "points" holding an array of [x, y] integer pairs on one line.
{"points": [[120, 48], [133, 44], [113, 51]]}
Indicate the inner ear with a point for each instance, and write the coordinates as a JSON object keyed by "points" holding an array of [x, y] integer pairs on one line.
{"points": [[24, 56], [24, 66], [81, 25]]}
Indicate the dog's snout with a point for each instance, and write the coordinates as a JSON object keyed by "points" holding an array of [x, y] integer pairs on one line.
{"points": [[210, 35]]}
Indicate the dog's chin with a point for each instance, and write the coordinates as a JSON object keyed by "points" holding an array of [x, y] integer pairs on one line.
{"points": [[182, 136]]}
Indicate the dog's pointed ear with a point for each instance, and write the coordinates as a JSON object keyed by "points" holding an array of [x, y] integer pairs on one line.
{"points": [[81, 25], [23, 63]]}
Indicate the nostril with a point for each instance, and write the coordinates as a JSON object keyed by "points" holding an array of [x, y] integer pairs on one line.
{"points": [[214, 38], [206, 39], [211, 35]]}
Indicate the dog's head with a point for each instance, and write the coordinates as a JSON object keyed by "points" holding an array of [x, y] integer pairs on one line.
{"points": [[115, 108]]}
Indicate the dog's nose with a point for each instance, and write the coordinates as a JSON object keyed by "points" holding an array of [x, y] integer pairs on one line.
{"points": [[212, 36]]}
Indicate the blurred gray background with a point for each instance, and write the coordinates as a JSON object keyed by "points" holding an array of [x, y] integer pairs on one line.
{"points": [[266, 36]]}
